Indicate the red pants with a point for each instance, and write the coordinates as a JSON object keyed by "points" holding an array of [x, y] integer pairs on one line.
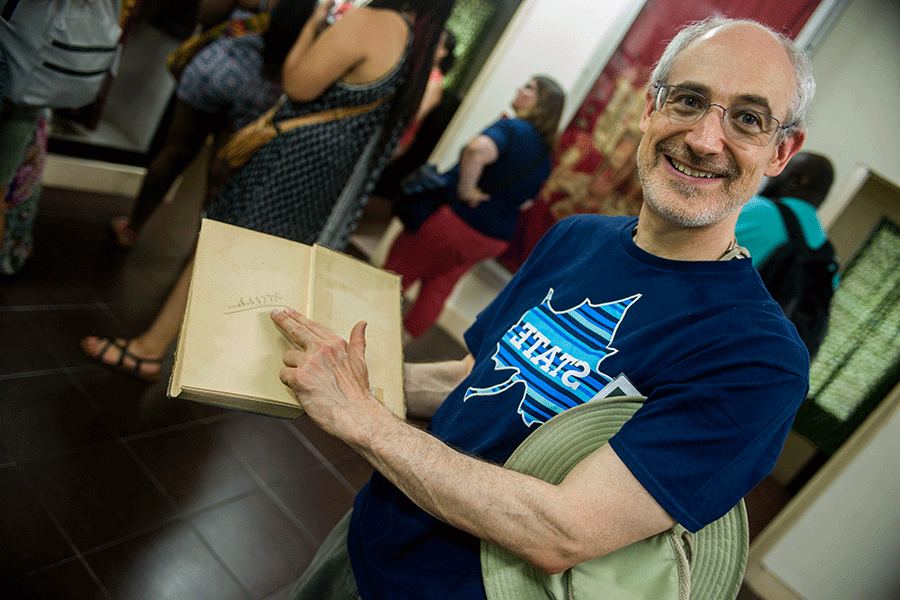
{"points": [[439, 253]]}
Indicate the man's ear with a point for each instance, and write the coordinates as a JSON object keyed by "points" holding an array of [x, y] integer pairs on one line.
{"points": [[649, 107], [784, 152]]}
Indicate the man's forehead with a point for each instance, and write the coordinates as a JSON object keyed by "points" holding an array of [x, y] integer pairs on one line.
{"points": [[739, 65]]}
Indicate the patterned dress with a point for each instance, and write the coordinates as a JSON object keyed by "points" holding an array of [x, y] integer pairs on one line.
{"points": [[290, 186], [228, 76]]}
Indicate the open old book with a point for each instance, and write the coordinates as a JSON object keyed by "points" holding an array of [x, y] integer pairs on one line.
{"points": [[230, 352]]}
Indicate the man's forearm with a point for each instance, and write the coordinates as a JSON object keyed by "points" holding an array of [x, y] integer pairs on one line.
{"points": [[598, 508], [427, 384]]}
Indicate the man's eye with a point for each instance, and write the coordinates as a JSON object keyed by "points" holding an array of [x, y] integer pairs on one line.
{"points": [[687, 101], [747, 120]]}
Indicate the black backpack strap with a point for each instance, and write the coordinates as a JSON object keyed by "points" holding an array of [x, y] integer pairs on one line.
{"points": [[9, 9], [791, 223]]}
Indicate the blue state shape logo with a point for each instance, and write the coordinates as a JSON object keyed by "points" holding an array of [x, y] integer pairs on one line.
{"points": [[557, 355]]}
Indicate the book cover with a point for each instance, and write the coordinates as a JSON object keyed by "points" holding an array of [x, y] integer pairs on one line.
{"points": [[229, 351]]}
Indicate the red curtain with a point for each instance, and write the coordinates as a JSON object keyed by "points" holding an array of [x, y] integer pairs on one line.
{"points": [[594, 166]]}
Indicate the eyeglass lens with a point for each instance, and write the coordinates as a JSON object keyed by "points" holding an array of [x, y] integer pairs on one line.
{"points": [[742, 124]]}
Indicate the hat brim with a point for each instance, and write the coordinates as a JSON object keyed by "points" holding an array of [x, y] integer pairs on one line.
{"points": [[719, 550]]}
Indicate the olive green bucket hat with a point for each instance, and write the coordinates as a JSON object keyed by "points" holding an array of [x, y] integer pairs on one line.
{"points": [[676, 564]]}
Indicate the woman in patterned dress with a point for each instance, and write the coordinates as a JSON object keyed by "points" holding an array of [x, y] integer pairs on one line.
{"points": [[291, 186], [228, 84]]}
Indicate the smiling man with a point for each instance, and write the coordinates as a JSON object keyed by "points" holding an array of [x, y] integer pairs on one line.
{"points": [[667, 301]]}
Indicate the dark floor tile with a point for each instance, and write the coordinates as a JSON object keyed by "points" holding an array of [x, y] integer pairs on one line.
{"points": [[317, 498], [108, 273], [267, 446], [329, 446], [136, 314], [140, 280], [30, 539], [282, 594], [27, 354], [169, 563], [47, 415], [61, 329], [97, 495], [257, 542], [356, 470], [25, 351], [143, 277], [69, 579], [195, 466], [133, 406], [49, 276]]}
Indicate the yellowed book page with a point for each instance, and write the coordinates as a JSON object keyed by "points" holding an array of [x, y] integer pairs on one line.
{"points": [[345, 291], [229, 344]]}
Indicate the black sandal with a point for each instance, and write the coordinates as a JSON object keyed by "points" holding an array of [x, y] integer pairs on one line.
{"points": [[133, 369]]}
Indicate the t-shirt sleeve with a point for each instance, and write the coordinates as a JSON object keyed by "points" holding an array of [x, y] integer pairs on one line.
{"points": [[501, 134], [700, 445]]}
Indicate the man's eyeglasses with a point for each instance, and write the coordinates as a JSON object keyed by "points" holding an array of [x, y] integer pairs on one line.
{"points": [[739, 123]]}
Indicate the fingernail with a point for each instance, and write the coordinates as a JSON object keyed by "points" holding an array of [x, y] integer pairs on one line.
{"points": [[288, 310]]}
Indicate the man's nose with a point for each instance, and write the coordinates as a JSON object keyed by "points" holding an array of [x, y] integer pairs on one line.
{"points": [[707, 134]]}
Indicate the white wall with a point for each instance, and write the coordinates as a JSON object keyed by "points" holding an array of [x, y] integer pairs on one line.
{"points": [[846, 544], [853, 117]]}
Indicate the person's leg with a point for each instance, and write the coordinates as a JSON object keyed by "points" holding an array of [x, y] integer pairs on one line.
{"points": [[185, 138], [433, 294], [458, 247], [17, 128], [218, 172], [329, 575], [409, 257], [141, 355]]}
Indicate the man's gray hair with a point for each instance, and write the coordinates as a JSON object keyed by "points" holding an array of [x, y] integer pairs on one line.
{"points": [[798, 111]]}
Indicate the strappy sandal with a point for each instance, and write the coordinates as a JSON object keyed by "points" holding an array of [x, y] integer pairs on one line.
{"points": [[123, 236], [134, 368]]}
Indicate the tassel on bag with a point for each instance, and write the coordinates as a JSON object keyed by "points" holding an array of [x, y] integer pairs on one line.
{"points": [[250, 138]]}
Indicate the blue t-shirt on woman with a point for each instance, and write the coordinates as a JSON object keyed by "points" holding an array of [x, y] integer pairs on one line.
{"points": [[515, 177]]}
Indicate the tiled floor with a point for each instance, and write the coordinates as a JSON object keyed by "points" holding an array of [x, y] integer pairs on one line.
{"points": [[109, 489]]}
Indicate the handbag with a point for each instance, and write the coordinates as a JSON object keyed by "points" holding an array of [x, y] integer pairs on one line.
{"points": [[250, 138], [178, 60], [424, 190], [423, 179]]}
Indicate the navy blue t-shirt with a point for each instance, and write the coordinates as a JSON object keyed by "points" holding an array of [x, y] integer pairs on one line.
{"points": [[723, 370], [515, 177]]}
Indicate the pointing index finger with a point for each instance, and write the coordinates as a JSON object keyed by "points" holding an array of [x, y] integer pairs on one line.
{"points": [[294, 326]]}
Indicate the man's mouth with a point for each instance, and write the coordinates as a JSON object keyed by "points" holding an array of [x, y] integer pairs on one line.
{"points": [[683, 168]]}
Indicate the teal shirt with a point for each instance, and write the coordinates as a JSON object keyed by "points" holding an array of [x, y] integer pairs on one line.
{"points": [[760, 229]]}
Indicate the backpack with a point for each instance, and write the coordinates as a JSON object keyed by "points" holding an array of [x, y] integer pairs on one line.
{"points": [[801, 280], [59, 52]]}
